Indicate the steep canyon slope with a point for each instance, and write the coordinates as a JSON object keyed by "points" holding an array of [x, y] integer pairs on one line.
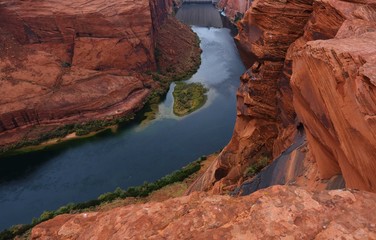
{"points": [[311, 64], [334, 90], [264, 104], [308, 97], [66, 62], [234, 9]]}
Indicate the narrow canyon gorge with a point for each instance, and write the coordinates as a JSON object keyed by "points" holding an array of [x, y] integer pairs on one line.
{"points": [[301, 160]]}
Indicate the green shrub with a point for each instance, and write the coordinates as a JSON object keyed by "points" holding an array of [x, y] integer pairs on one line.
{"points": [[81, 129], [138, 191], [66, 64], [238, 17], [188, 97], [256, 167]]}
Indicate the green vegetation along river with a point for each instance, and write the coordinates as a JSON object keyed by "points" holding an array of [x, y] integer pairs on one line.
{"points": [[82, 169], [188, 97]]}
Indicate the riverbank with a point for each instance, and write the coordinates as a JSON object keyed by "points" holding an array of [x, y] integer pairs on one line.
{"points": [[78, 170], [172, 185], [177, 46]]}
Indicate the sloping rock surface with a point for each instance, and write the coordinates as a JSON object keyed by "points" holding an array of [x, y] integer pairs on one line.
{"points": [[334, 95], [281, 211]]}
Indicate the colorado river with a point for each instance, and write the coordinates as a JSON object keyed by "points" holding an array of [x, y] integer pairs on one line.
{"points": [[81, 170]]}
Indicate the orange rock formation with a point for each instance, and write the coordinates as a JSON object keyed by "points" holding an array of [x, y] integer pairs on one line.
{"points": [[65, 62], [334, 91], [327, 49], [312, 64], [276, 212], [234, 8], [264, 103]]}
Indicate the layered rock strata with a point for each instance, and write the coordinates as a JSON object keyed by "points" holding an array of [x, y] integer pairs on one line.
{"points": [[72, 62], [264, 106], [267, 214], [158, 9], [334, 95], [326, 48], [234, 9], [314, 80]]}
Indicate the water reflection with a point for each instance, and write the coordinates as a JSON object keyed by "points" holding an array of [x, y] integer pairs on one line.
{"points": [[80, 170], [203, 15]]}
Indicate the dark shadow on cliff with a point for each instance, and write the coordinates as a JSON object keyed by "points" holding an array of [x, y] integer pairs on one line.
{"points": [[20, 164], [285, 169]]}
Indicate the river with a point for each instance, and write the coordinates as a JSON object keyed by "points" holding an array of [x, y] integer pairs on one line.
{"points": [[81, 170]]}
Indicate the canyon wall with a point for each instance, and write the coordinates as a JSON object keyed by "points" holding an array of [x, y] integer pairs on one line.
{"points": [[84, 33], [264, 99], [65, 62], [159, 11], [334, 90], [234, 9], [310, 68], [308, 102]]}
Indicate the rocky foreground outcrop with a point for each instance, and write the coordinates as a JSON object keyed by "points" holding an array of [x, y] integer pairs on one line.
{"points": [[277, 212], [311, 65], [64, 62]]}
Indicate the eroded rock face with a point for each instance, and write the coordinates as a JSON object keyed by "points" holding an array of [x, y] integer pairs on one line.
{"points": [[327, 48], [65, 62], [274, 212], [159, 8], [334, 96], [269, 27], [234, 9], [264, 99], [93, 35]]}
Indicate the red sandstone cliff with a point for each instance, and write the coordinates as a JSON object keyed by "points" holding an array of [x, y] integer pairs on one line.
{"points": [[326, 49], [73, 61], [264, 98], [334, 90], [310, 62], [234, 9]]}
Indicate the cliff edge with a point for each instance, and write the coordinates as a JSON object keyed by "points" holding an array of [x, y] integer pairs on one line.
{"points": [[280, 211], [310, 74], [306, 107]]}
